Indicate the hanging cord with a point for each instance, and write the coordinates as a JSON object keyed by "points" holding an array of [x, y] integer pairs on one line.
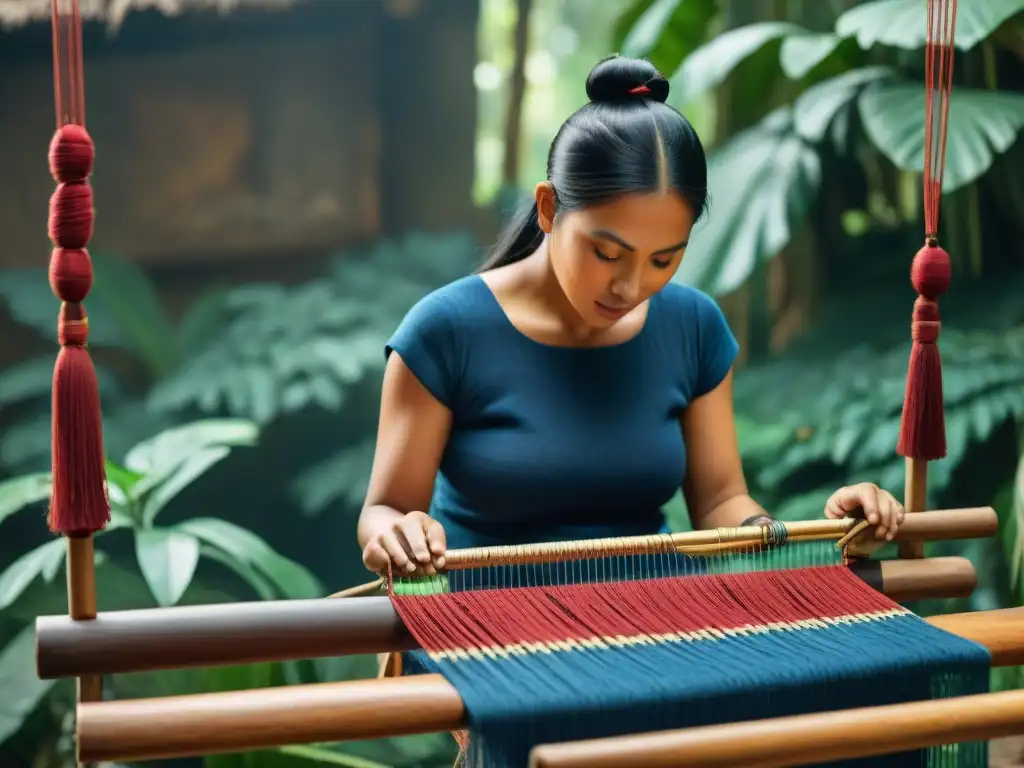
{"points": [[79, 505], [923, 428]]}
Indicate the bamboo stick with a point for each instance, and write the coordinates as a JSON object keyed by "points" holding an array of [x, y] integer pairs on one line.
{"points": [[237, 721], [970, 523], [259, 632], [915, 492], [803, 739]]}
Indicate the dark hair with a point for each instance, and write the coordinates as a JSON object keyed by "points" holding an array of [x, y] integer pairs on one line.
{"points": [[626, 140]]}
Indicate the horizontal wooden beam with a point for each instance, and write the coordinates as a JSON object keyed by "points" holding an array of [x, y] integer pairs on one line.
{"points": [[801, 740]]}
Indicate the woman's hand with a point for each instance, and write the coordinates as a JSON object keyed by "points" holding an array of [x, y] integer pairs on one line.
{"points": [[871, 502], [414, 543]]}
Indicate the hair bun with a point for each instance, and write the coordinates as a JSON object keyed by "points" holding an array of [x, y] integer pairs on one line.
{"points": [[616, 78]]}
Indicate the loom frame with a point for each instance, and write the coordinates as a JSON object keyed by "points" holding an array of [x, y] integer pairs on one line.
{"points": [[180, 726]]}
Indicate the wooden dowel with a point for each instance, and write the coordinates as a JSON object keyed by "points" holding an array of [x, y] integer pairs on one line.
{"points": [[240, 721], [969, 523], [217, 635], [250, 633], [915, 493], [802, 739], [906, 581], [236, 721]]}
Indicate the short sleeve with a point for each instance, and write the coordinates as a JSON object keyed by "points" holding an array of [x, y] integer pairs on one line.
{"points": [[716, 345], [426, 342]]}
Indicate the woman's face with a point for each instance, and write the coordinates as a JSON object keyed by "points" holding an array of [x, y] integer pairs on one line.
{"points": [[611, 258]]}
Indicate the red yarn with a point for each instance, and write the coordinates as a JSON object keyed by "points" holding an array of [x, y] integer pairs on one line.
{"points": [[651, 608], [79, 505], [70, 274], [71, 215], [71, 154], [923, 427]]}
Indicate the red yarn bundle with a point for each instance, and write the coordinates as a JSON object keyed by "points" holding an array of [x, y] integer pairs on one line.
{"points": [[79, 505], [923, 431]]}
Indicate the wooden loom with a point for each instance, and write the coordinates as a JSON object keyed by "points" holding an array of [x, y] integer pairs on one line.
{"points": [[197, 636], [87, 644]]}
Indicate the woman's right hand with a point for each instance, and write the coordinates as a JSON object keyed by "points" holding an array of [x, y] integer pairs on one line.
{"points": [[415, 543]]}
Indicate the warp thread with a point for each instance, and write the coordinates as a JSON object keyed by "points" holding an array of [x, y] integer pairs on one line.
{"points": [[548, 664]]}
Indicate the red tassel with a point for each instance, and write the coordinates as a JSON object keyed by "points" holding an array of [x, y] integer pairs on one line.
{"points": [[923, 429], [79, 505]]}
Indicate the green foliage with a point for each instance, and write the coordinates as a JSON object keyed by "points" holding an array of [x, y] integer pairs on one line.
{"points": [[839, 422], [288, 348], [154, 473], [125, 313], [126, 317], [772, 176], [316, 345], [901, 23], [710, 65], [982, 124], [836, 104], [664, 31]]}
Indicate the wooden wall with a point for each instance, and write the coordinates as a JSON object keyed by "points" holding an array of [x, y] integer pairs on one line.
{"points": [[255, 136]]}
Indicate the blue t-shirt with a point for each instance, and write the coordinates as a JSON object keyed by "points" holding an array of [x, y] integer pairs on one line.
{"points": [[558, 443]]}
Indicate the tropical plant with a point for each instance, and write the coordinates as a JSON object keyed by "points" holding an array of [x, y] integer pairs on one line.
{"points": [[255, 351], [152, 475], [841, 418], [126, 320], [319, 344], [846, 94]]}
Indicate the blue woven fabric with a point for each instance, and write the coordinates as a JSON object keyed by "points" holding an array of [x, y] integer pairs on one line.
{"points": [[518, 702]]}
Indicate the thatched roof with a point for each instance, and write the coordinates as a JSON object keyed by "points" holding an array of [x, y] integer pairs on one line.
{"points": [[15, 13]]}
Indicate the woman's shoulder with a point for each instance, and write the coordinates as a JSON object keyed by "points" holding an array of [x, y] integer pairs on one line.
{"points": [[697, 326], [442, 317], [690, 304], [450, 302]]}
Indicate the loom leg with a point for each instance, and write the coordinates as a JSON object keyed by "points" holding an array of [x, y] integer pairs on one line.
{"points": [[914, 492], [81, 569]]}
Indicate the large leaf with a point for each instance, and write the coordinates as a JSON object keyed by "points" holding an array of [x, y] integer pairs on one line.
{"points": [[19, 492], [982, 124], [183, 476], [668, 30], [167, 559], [129, 295], [904, 23], [709, 65], [45, 560], [800, 54], [161, 456], [249, 551], [762, 182], [22, 688], [816, 108]]}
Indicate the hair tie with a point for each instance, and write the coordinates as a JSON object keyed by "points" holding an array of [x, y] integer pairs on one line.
{"points": [[639, 89]]}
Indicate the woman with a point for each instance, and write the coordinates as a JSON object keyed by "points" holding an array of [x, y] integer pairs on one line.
{"points": [[568, 389]]}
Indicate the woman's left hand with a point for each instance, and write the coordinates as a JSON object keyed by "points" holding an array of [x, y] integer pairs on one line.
{"points": [[871, 502]]}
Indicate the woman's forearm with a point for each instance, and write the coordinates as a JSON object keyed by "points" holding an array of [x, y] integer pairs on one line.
{"points": [[731, 513]]}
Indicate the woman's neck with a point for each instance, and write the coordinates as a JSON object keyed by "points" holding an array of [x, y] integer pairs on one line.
{"points": [[539, 285]]}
